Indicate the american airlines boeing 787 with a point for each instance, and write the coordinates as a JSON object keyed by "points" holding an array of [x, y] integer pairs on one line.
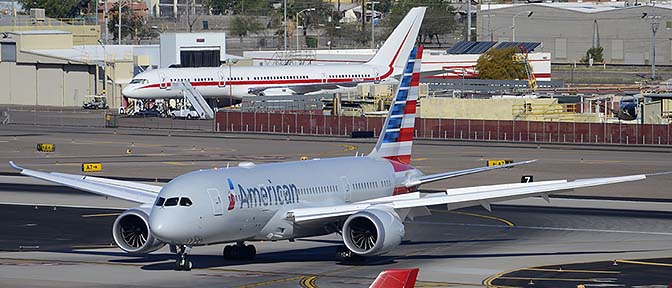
{"points": [[365, 199]]}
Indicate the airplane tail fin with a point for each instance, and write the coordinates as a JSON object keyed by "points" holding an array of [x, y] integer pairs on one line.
{"points": [[396, 137], [399, 43], [396, 278]]}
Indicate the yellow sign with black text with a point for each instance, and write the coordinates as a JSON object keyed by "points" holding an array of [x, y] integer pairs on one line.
{"points": [[46, 147], [92, 167], [498, 162]]}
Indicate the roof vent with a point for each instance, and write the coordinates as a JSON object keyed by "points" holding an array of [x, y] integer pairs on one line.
{"points": [[246, 165]]}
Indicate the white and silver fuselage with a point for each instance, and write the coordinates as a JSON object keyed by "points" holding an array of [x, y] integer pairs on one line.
{"points": [[249, 203]]}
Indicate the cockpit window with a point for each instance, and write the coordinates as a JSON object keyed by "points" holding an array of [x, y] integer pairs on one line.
{"points": [[139, 81], [171, 202], [159, 201], [184, 201]]}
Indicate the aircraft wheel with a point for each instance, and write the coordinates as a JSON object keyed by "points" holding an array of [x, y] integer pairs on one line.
{"points": [[250, 252]]}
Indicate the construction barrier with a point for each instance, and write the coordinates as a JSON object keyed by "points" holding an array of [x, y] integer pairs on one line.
{"points": [[454, 129]]}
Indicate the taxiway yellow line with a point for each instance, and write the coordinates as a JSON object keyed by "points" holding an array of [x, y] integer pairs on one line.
{"points": [[176, 163], [644, 263], [571, 271], [551, 279], [308, 282], [271, 282], [507, 222], [100, 215]]}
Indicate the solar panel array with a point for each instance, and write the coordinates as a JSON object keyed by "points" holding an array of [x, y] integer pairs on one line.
{"points": [[528, 45], [479, 47], [471, 47]]}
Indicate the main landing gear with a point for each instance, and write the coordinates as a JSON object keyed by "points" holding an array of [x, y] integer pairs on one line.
{"points": [[343, 254], [240, 251], [182, 263]]}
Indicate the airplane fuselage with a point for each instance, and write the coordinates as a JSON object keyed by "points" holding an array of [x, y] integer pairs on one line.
{"points": [[250, 202], [237, 81]]}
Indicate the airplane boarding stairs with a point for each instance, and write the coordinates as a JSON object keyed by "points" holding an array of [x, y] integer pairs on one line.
{"points": [[195, 98]]}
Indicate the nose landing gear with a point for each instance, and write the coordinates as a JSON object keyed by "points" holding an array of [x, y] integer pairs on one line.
{"points": [[182, 263], [240, 251]]}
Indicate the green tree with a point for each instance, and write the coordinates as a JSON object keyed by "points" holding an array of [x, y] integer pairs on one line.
{"points": [[240, 7], [594, 52], [57, 8], [439, 18], [498, 64], [132, 24], [241, 26]]}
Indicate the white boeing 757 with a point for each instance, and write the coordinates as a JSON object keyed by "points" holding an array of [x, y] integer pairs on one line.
{"points": [[365, 199], [236, 82]]}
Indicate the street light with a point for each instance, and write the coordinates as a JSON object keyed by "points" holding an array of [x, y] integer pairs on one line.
{"points": [[120, 4], [373, 15], [285, 24], [297, 25], [513, 26], [230, 62]]}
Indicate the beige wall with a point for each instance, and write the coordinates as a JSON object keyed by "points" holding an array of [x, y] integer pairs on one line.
{"points": [[45, 41], [81, 34], [23, 89], [49, 85], [485, 109], [55, 84]]}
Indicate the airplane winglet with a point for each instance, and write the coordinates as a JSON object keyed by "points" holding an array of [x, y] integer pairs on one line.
{"points": [[16, 167], [396, 278], [659, 174]]}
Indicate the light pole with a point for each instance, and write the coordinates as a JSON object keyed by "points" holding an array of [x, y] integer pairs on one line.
{"points": [[297, 24], [230, 62], [119, 4], [373, 15], [513, 24], [285, 25], [654, 20]]}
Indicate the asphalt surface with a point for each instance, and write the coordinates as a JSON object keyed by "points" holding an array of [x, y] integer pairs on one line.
{"points": [[463, 248]]}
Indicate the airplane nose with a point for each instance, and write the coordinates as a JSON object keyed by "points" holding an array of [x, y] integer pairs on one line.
{"points": [[166, 229], [128, 91]]}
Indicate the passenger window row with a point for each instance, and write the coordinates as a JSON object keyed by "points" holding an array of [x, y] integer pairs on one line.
{"points": [[184, 201], [284, 77], [350, 76], [366, 185], [318, 189]]}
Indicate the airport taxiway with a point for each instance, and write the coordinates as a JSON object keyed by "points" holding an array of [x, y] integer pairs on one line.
{"points": [[453, 249]]}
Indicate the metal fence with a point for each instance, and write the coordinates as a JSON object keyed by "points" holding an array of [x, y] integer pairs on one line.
{"points": [[455, 129]]}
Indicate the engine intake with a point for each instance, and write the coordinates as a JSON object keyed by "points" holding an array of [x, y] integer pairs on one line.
{"points": [[131, 232], [373, 232]]}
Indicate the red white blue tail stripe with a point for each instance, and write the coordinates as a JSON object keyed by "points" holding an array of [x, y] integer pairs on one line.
{"points": [[396, 140]]}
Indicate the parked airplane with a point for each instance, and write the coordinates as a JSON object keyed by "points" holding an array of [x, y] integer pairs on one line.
{"points": [[365, 199], [282, 80]]}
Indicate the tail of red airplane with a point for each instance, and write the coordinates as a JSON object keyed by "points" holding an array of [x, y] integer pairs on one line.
{"points": [[399, 44], [396, 278]]}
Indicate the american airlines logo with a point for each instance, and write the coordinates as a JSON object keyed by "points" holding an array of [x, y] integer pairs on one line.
{"points": [[265, 195]]}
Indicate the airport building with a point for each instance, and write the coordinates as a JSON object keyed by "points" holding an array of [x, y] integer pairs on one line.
{"points": [[568, 30]]}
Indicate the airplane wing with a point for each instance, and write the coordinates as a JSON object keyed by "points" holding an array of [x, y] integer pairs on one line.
{"points": [[302, 89], [457, 198], [126, 190], [441, 176]]}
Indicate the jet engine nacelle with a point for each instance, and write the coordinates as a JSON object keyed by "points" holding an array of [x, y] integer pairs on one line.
{"points": [[131, 232], [276, 92], [373, 232]]}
